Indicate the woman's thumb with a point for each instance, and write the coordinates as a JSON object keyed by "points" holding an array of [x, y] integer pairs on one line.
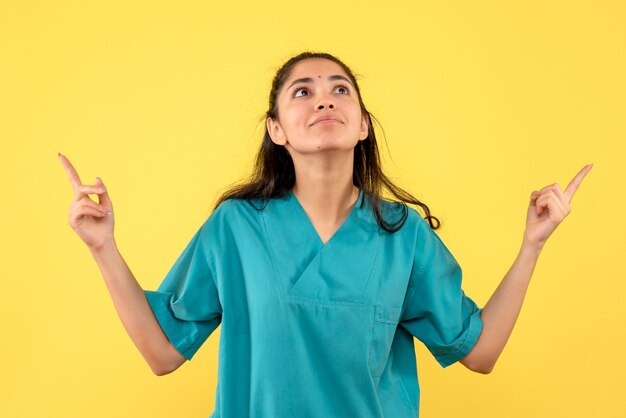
{"points": [[103, 198]]}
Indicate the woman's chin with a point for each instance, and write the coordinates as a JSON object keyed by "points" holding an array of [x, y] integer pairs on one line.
{"points": [[333, 144], [332, 147]]}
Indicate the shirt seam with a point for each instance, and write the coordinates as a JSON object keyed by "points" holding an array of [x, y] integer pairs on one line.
{"points": [[271, 251], [422, 266]]}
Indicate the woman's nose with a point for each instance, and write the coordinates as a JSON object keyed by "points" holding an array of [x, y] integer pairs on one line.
{"points": [[326, 103], [325, 100]]}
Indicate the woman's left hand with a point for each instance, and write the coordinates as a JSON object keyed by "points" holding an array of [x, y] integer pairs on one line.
{"points": [[548, 207]]}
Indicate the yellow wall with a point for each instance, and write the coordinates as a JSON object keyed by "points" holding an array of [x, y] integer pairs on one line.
{"points": [[482, 102]]}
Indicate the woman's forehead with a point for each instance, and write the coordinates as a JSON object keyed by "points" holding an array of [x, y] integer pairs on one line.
{"points": [[315, 68]]}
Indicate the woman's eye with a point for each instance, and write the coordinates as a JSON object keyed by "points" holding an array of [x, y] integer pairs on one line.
{"points": [[300, 89], [343, 89]]}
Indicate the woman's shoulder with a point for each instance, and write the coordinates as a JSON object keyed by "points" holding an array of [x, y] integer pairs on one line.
{"points": [[395, 211], [233, 208]]}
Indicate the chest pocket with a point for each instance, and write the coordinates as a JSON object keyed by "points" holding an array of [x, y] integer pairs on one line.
{"points": [[385, 324]]}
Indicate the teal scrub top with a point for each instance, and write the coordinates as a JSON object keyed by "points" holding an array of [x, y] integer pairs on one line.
{"points": [[311, 329]]}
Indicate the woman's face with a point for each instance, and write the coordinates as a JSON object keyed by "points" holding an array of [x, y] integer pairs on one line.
{"points": [[318, 89]]}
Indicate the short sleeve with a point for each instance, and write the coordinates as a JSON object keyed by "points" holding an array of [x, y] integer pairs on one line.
{"points": [[436, 310], [186, 303]]}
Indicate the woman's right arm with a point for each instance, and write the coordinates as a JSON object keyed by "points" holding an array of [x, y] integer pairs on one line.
{"points": [[135, 312], [93, 222]]}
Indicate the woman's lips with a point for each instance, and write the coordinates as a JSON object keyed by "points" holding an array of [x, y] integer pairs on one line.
{"points": [[326, 121]]}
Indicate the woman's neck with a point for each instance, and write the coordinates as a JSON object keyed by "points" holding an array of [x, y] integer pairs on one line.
{"points": [[325, 189]]}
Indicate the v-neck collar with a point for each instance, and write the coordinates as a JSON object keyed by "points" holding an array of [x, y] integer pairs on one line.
{"points": [[335, 272], [298, 207]]}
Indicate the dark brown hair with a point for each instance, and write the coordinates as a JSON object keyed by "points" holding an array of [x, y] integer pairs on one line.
{"points": [[274, 175]]}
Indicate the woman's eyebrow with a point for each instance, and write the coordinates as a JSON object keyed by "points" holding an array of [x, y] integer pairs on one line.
{"points": [[310, 80]]}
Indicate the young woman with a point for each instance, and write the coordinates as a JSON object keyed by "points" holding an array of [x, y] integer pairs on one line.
{"points": [[319, 284]]}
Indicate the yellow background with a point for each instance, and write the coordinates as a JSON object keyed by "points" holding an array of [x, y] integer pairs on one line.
{"points": [[481, 102]]}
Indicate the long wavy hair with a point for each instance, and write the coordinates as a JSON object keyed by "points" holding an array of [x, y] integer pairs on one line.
{"points": [[273, 174]]}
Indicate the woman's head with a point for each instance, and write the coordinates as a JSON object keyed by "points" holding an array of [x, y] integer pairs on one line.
{"points": [[316, 106], [275, 159], [274, 172], [285, 72]]}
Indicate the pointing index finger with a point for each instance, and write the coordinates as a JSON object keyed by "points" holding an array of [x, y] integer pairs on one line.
{"points": [[573, 185], [71, 172]]}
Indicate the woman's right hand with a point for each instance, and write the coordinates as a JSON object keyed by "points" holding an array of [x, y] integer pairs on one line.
{"points": [[93, 222]]}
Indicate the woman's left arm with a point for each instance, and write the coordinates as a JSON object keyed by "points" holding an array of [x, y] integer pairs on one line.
{"points": [[547, 209]]}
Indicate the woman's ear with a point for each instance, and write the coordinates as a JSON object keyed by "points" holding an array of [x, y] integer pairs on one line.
{"points": [[276, 132], [364, 127]]}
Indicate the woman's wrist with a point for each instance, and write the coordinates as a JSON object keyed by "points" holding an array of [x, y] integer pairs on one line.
{"points": [[531, 247], [105, 249]]}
